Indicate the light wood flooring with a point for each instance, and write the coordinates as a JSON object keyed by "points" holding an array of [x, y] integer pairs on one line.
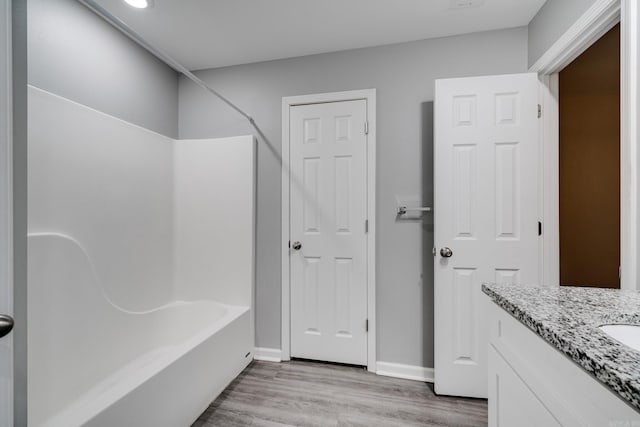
{"points": [[304, 393]]}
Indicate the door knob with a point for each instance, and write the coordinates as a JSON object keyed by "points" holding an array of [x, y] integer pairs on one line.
{"points": [[6, 324], [446, 253], [296, 246]]}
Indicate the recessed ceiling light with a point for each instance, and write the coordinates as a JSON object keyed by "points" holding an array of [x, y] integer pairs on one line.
{"points": [[138, 4]]}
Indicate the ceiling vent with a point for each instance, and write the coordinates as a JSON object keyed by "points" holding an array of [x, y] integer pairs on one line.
{"points": [[465, 4]]}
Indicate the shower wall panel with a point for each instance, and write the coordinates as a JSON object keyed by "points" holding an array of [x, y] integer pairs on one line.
{"points": [[109, 185]]}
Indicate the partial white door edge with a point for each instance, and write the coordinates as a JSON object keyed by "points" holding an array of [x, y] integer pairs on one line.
{"points": [[287, 102], [6, 191], [595, 22]]}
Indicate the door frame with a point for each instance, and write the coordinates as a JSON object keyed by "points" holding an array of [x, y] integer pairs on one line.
{"points": [[368, 95], [6, 172], [593, 24]]}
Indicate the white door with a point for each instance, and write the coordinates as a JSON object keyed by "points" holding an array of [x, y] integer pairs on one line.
{"points": [[328, 205], [486, 213], [6, 347]]}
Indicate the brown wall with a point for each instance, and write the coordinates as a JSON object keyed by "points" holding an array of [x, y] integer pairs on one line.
{"points": [[590, 166]]}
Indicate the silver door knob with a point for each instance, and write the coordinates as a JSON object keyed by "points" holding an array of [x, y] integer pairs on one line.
{"points": [[296, 246], [6, 324], [446, 253]]}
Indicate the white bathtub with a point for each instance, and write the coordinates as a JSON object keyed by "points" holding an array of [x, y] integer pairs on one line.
{"points": [[92, 363]]}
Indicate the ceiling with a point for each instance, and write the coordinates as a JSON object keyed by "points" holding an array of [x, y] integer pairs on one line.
{"points": [[216, 33]]}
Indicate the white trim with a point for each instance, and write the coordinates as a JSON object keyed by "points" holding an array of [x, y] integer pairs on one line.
{"points": [[629, 144], [287, 102], [550, 175], [592, 25], [407, 372], [267, 354], [285, 326]]}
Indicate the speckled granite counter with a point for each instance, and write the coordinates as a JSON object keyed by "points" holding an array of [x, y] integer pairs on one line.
{"points": [[568, 319]]}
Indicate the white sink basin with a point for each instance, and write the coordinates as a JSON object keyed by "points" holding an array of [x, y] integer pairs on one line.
{"points": [[628, 335]]}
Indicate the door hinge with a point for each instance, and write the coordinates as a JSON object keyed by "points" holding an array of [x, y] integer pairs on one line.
{"points": [[366, 128], [539, 228], [366, 325], [619, 272], [539, 110], [366, 225]]}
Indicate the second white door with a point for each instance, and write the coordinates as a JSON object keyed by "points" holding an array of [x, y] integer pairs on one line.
{"points": [[328, 158], [486, 213]]}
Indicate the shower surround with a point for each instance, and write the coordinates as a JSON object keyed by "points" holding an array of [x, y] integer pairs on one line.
{"points": [[141, 268]]}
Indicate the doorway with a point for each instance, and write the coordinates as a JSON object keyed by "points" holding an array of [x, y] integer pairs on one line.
{"points": [[589, 166], [328, 227]]}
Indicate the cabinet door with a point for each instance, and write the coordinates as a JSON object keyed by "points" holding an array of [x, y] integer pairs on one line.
{"points": [[511, 402]]}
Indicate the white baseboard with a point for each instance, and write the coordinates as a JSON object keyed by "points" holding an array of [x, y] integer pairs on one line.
{"points": [[387, 369], [407, 372], [267, 354]]}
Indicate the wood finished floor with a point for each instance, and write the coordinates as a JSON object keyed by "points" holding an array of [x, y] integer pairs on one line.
{"points": [[302, 393]]}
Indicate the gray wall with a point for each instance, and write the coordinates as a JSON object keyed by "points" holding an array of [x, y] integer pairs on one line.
{"points": [[404, 77], [75, 54], [552, 20]]}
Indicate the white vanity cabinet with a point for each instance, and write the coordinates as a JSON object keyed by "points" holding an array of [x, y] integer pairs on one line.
{"points": [[531, 383]]}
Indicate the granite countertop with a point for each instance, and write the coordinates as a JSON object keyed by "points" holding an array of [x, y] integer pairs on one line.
{"points": [[568, 319]]}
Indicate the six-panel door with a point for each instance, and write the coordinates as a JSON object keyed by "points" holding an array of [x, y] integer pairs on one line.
{"points": [[486, 212], [328, 158]]}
